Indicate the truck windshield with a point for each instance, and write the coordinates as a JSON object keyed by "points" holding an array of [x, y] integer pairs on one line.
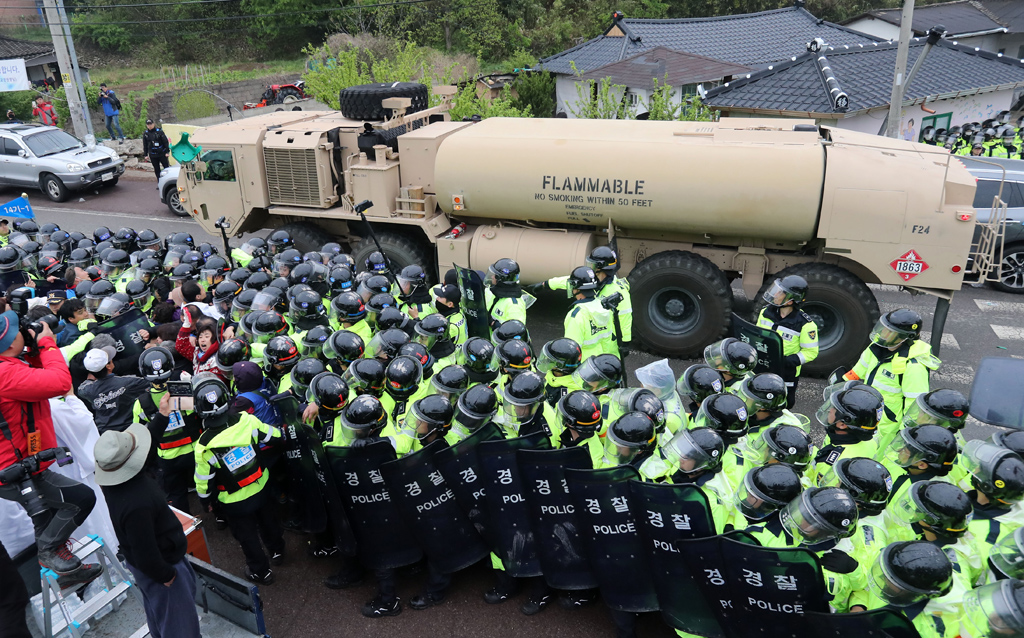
{"points": [[220, 166], [51, 142]]}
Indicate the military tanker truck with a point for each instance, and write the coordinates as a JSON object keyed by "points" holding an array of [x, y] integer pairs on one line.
{"points": [[691, 206]]}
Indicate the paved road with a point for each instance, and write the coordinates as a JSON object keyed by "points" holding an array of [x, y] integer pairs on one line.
{"points": [[982, 323]]}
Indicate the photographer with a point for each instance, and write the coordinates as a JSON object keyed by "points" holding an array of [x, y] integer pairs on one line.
{"points": [[26, 430]]}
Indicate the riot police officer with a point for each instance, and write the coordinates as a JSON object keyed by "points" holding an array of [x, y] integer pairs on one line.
{"points": [[733, 358], [798, 331], [588, 322], [504, 297], [697, 383], [997, 479], [557, 360], [850, 416]]}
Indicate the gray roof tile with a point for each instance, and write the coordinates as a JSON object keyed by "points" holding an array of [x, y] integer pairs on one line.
{"points": [[959, 17], [13, 48], [640, 70], [750, 39]]}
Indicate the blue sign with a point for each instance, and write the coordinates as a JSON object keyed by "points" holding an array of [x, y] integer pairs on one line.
{"points": [[17, 208]]}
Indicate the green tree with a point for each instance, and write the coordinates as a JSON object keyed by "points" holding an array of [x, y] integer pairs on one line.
{"points": [[466, 103], [600, 100], [535, 90]]}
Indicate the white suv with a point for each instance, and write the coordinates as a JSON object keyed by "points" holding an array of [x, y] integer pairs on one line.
{"points": [[47, 158]]}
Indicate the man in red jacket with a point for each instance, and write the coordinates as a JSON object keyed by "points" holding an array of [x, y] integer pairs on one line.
{"points": [[27, 429]]}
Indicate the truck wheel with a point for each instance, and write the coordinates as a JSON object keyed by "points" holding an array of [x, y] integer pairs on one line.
{"points": [[1011, 271], [362, 102], [681, 303], [843, 308], [308, 237], [287, 96], [400, 249]]}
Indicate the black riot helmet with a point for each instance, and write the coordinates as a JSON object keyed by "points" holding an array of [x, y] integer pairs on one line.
{"points": [[344, 346], [302, 273], [503, 271], [80, 258], [270, 298], [285, 261], [313, 340], [402, 377], [419, 352], [431, 414], [50, 267], [214, 267], [895, 327], [431, 329], [942, 507], [931, 444], [476, 407], [101, 234], [100, 290], [268, 325], [376, 305], [451, 381], [600, 373], [149, 239], [508, 330], [478, 355], [698, 382], [515, 356], [580, 411], [996, 609], [242, 304], [278, 242], [560, 355], [258, 281], [646, 402], [306, 305], [583, 280], [329, 250], [125, 239], [1012, 440], [731, 356], [865, 479], [364, 415], [386, 344], [820, 514], [281, 352], [763, 391], [340, 279], [113, 306], [374, 285], [995, 471], [789, 290], [780, 443], [239, 275], [767, 489], [304, 372], [909, 572], [348, 307], [695, 450], [343, 259], [156, 365], [231, 352], [391, 318], [850, 416], [523, 398], [211, 395], [603, 259], [10, 258], [328, 391], [725, 414], [180, 239], [115, 263], [629, 436], [945, 407], [147, 270], [225, 293], [183, 272], [365, 376], [45, 231], [411, 279], [140, 293], [375, 262]]}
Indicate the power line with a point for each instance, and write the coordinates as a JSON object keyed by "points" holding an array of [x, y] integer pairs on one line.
{"points": [[121, 6], [241, 17]]}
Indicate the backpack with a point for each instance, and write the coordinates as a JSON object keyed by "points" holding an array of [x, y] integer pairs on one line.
{"points": [[114, 102]]}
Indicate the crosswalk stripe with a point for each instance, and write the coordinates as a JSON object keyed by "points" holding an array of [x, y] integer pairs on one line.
{"points": [[1008, 332], [948, 340], [1013, 307], [953, 373]]}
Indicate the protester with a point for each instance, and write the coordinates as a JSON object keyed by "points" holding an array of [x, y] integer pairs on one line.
{"points": [[108, 396], [111, 111], [44, 111]]}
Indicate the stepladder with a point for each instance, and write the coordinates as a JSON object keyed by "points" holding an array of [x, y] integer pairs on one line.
{"points": [[115, 578]]}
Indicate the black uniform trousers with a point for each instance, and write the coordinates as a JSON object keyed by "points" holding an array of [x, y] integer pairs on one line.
{"points": [[13, 599], [251, 521], [160, 162], [437, 583]]}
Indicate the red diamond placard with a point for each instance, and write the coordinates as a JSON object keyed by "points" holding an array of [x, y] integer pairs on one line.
{"points": [[909, 265]]}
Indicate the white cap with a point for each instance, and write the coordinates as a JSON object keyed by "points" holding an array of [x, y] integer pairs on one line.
{"points": [[97, 358]]}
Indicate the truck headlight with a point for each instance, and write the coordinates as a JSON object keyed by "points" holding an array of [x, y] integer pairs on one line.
{"points": [[75, 168]]}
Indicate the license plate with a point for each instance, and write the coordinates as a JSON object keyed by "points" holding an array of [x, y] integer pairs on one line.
{"points": [[107, 177]]}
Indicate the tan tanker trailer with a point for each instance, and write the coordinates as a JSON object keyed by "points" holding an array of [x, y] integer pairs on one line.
{"points": [[690, 205]]}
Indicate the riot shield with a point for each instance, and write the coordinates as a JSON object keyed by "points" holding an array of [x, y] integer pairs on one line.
{"points": [[609, 532], [125, 331], [996, 398], [553, 517], [340, 527], [383, 539], [666, 513], [474, 308], [767, 343], [8, 279], [429, 508], [302, 469], [460, 467], [877, 623], [515, 542], [756, 591]]}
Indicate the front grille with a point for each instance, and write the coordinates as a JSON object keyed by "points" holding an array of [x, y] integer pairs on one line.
{"points": [[101, 162], [292, 176]]}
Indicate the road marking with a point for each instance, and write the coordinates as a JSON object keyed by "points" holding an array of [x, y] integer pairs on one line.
{"points": [[1014, 307], [75, 211], [954, 373], [1012, 333], [948, 340]]}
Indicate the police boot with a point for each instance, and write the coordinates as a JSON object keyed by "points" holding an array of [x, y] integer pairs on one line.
{"points": [[535, 604], [377, 608], [577, 599], [345, 578], [503, 590]]}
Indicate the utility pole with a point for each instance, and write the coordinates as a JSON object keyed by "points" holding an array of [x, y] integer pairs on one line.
{"points": [[68, 70], [76, 71], [898, 84]]}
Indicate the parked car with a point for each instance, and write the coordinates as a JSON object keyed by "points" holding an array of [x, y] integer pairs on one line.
{"points": [[990, 172], [168, 186], [56, 162]]}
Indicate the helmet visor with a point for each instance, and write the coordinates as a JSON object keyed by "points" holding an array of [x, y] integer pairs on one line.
{"points": [[715, 356], [804, 523], [884, 584], [1007, 556], [753, 502], [470, 419], [616, 453], [990, 611], [919, 413], [427, 340], [779, 296], [590, 377], [109, 307], [684, 453], [888, 336], [547, 363], [238, 311], [906, 452], [265, 300], [909, 509], [282, 267], [92, 303], [361, 385], [142, 299], [516, 413]]}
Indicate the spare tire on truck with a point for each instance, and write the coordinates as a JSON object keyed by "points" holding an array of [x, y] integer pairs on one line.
{"points": [[363, 102]]}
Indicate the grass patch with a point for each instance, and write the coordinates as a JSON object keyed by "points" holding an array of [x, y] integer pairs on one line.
{"points": [[147, 81]]}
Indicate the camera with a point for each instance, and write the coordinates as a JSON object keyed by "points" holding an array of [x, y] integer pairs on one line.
{"points": [[222, 222], [20, 474], [363, 206], [611, 302]]}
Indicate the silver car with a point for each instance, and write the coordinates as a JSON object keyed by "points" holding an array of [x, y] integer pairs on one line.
{"points": [[56, 162], [168, 187], [992, 174]]}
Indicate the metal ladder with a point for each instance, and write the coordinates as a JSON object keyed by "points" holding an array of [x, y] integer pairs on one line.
{"points": [[117, 579]]}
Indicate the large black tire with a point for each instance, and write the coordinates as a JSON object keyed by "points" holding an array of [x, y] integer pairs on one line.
{"points": [[362, 102], [53, 188], [401, 251], [287, 96], [1011, 272], [842, 306], [681, 303], [308, 237]]}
